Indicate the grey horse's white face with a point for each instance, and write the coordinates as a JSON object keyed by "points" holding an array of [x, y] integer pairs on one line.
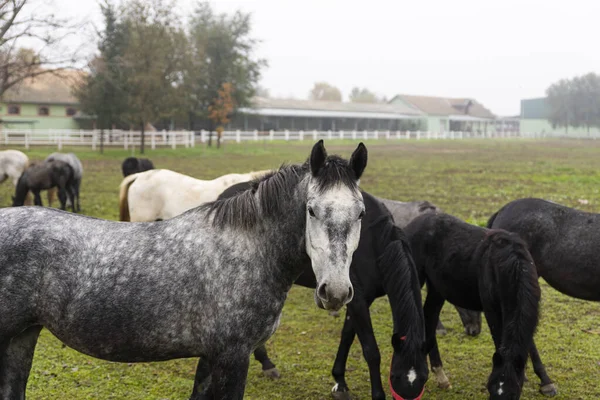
{"points": [[333, 223]]}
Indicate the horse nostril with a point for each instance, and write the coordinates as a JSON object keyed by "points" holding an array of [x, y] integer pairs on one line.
{"points": [[350, 293], [322, 292]]}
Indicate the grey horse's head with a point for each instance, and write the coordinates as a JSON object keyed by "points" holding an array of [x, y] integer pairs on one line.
{"points": [[334, 210]]}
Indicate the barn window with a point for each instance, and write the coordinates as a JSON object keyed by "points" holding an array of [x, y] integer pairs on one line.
{"points": [[14, 109], [71, 111], [43, 111]]}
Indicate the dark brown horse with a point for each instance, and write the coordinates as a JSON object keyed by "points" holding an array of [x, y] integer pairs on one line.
{"points": [[133, 165], [44, 176]]}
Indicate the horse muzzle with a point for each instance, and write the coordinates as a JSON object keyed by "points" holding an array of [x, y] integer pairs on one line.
{"points": [[328, 297]]}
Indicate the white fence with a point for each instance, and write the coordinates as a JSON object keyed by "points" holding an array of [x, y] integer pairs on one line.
{"points": [[174, 139]]}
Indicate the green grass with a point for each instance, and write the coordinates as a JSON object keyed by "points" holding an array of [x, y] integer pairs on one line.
{"points": [[470, 179]]}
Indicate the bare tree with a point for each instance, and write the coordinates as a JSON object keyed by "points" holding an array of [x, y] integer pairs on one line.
{"points": [[31, 40]]}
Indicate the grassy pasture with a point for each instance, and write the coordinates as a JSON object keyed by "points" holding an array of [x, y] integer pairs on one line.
{"points": [[470, 179]]}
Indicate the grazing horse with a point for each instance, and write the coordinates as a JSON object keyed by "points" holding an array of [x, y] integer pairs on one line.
{"points": [[44, 176], [563, 241], [484, 270], [381, 265], [208, 283], [12, 165], [161, 194], [73, 161], [133, 165], [404, 213]]}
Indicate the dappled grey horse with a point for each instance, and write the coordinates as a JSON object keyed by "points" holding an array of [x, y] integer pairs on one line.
{"points": [[73, 161], [208, 283], [404, 213]]}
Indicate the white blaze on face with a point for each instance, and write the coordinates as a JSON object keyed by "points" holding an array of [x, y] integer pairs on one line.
{"points": [[333, 233], [500, 391], [412, 376]]}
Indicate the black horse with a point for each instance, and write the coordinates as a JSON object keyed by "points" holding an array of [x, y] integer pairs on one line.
{"points": [[485, 270], [563, 241], [381, 265], [133, 165], [43, 176]]}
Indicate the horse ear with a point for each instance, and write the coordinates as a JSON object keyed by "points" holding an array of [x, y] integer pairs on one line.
{"points": [[317, 157], [358, 161], [497, 359]]}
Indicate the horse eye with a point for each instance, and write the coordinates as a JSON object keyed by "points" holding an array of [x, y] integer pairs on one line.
{"points": [[311, 212], [361, 215]]}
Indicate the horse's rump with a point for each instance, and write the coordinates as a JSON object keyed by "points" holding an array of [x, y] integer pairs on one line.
{"points": [[123, 197]]}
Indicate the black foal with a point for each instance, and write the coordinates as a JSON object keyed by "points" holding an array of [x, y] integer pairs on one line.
{"points": [[486, 270]]}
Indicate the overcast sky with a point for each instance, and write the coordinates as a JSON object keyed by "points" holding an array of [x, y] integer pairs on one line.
{"points": [[495, 51]]}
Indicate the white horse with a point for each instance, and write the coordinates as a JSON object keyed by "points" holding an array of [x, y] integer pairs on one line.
{"points": [[161, 194], [12, 165]]}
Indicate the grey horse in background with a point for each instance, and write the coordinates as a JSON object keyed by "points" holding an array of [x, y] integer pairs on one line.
{"points": [[73, 161], [404, 213]]}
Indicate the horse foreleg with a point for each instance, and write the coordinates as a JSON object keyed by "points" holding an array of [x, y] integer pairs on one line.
{"points": [[201, 389], [547, 387], [229, 372], [37, 199], [268, 368], [71, 196], [62, 196], [360, 318], [341, 391], [15, 364], [77, 187], [432, 308]]}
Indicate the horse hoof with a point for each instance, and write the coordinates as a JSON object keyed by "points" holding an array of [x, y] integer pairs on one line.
{"points": [[445, 385], [441, 332], [272, 373], [549, 390], [340, 395], [334, 314]]}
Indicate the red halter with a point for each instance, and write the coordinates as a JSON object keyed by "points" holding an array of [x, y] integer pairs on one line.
{"points": [[395, 395]]}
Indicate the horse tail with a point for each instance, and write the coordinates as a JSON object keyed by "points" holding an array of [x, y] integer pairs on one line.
{"points": [[123, 194], [517, 285]]}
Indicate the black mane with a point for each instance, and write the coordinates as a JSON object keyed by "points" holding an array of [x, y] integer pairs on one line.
{"points": [[401, 284]]}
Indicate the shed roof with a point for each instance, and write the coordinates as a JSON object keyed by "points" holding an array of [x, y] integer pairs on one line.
{"points": [[332, 109], [48, 88], [451, 107]]}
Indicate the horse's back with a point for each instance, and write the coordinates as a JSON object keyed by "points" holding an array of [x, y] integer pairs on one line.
{"points": [[13, 159], [162, 194], [405, 212], [563, 241], [71, 159]]}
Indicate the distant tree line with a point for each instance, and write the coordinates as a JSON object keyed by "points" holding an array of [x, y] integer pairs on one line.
{"points": [[326, 92], [575, 102], [151, 67]]}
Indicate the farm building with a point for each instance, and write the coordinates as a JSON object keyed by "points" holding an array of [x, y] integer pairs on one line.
{"points": [[43, 102], [443, 114], [534, 118], [47, 102], [292, 114]]}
